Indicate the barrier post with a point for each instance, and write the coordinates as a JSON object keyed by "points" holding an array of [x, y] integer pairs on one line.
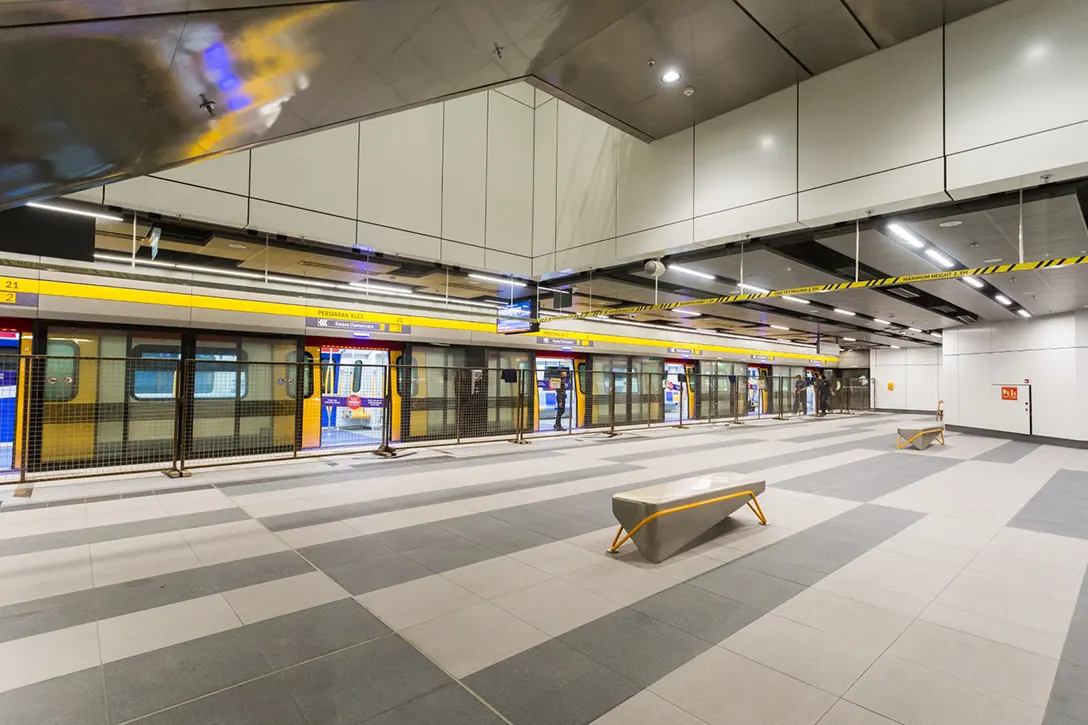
{"points": [[385, 450], [457, 404], [612, 406], [519, 417], [737, 399], [26, 377]]}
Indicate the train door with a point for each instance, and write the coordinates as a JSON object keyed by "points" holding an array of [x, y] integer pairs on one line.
{"points": [[554, 374], [352, 396], [430, 392], [677, 393], [810, 389], [757, 389]]}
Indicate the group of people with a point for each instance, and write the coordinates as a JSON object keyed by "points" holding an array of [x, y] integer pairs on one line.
{"points": [[822, 387]]}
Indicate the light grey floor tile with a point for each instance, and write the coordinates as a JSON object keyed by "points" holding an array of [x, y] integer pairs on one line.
{"points": [[495, 577], [646, 708], [283, 596], [75, 699], [149, 682], [449, 705], [352, 685], [556, 606], [404, 605], [360, 577], [639, 647], [550, 684], [293, 638], [260, 702], [847, 713], [699, 612]]}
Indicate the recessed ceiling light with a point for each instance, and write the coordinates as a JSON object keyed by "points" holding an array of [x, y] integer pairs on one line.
{"points": [[940, 258], [950, 223], [894, 347], [906, 235], [780, 327], [936, 334], [753, 288], [798, 300], [692, 272], [973, 282], [914, 329], [237, 246], [880, 321], [1003, 300], [497, 280], [689, 313], [995, 260], [850, 339], [670, 76], [1023, 313], [848, 313]]}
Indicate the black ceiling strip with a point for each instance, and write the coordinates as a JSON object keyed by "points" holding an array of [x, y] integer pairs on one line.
{"points": [[861, 25], [770, 35]]}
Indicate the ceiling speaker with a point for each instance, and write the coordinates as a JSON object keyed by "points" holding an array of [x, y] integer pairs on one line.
{"points": [[654, 268]]}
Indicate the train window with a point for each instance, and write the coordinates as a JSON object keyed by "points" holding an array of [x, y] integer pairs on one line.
{"points": [[219, 375], [357, 376], [307, 375], [61, 371], [154, 372], [582, 377]]}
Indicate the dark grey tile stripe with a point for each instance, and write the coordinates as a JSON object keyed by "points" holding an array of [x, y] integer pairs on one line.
{"points": [[1059, 507], [681, 450], [876, 477], [110, 497], [95, 534], [616, 656], [397, 503], [1068, 703], [69, 610], [1010, 452]]}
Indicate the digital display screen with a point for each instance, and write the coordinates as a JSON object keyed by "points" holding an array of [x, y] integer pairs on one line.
{"points": [[517, 317]]}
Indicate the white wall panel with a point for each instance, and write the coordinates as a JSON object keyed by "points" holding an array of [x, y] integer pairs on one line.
{"points": [[877, 113], [747, 155], [497, 261], [399, 242], [464, 169], [915, 374], [463, 255], [509, 176], [923, 387], [400, 170], [655, 181], [1013, 70], [521, 92], [1006, 166], [545, 144], [319, 171], [671, 238], [268, 217], [765, 217], [544, 264], [183, 201], [585, 179], [223, 173], [904, 188], [590, 256], [94, 196]]}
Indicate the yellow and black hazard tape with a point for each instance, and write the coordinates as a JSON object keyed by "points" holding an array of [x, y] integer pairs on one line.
{"points": [[816, 289]]}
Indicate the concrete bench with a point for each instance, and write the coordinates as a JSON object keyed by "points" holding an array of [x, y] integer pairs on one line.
{"points": [[919, 438], [662, 519]]}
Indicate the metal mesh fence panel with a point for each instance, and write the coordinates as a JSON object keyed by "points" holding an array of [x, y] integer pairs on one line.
{"points": [[346, 409]]}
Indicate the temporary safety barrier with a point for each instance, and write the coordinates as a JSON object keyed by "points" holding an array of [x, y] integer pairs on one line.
{"points": [[816, 289], [66, 416]]}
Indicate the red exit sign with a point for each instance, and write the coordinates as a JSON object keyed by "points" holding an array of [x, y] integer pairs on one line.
{"points": [[1008, 393]]}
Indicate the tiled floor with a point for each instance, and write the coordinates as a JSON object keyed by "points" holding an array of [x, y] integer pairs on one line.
{"points": [[471, 587]]}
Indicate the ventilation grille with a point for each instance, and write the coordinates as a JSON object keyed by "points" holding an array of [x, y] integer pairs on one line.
{"points": [[907, 294]]}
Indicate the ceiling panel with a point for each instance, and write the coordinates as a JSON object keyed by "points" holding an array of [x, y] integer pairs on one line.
{"points": [[880, 252], [822, 34], [877, 304], [893, 21], [960, 293], [763, 268]]}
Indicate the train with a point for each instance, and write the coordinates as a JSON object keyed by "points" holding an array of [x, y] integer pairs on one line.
{"points": [[94, 395]]}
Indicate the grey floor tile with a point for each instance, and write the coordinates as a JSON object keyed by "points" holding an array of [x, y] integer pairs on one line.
{"points": [[1010, 452], [699, 612], [345, 551], [449, 705], [637, 646], [542, 521], [358, 683], [256, 570], [1072, 530], [1075, 650], [472, 527], [1054, 718], [157, 591], [450, 555], [260, 702], [361, 577], [763, 562], [551, 684], [1069, 696], [885, 519], [45, 615], [748, 586], [310, 633], [413, 537], [812, 551], [42, 542], [509, 538], [143, 684], [75, 699]]}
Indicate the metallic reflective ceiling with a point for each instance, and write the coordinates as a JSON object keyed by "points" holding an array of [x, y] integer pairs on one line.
{"points": [[96, 90]]}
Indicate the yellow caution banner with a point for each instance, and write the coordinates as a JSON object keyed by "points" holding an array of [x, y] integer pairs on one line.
{"points": [[816, 289]]}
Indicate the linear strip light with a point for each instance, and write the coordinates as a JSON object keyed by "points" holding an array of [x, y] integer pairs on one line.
{"points": [[780, 327], [1023, 313], [497, 280], [692, 272], [973, 281], [77, 212], [753, 288], [940, 258], [798, 300], [381, 287], [1003, 300], [848, 313], [128, 260], [914, 329], [906, 235], [880, 321]]}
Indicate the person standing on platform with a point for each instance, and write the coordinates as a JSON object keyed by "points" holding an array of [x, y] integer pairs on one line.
{"points": [[561, 401], [800, 400]]}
